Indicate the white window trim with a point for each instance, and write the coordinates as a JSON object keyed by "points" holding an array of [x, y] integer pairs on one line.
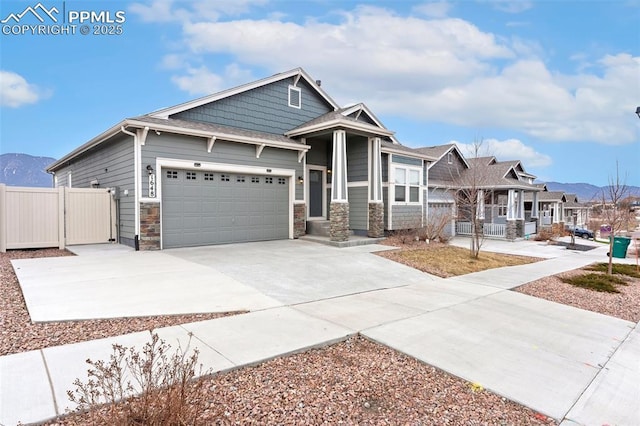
{"points": [[450, 157], [505, 205], [323, 169], [297, 90], [407, 185]]}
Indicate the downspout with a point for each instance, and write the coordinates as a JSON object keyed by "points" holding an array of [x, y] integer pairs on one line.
{"points": [[136, 187]]}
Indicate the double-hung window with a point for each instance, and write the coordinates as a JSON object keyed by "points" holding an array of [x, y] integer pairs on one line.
{"points": [[502, 205], [407, 185]]}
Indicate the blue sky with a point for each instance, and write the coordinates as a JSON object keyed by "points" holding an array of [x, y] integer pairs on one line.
{"points": [[552, 83]]}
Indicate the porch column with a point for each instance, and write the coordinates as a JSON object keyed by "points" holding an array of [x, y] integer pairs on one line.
{"points": [[339, 218], [520, 216], [556, 212], [510, 226], [511, 205], [376, 207], [534, 206]]}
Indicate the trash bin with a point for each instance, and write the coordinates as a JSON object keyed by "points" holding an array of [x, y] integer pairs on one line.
{"points": [[620, 245]]}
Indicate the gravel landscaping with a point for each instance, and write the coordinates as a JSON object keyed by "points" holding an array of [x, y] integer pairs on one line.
{"points": [[353, 382], [624, 305]]}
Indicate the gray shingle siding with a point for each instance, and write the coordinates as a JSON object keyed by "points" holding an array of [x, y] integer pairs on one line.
{"points": [[406, 217], [181, 147], [357, 156], [358, 208], [112, 165], [442, 171], [264, 109]]}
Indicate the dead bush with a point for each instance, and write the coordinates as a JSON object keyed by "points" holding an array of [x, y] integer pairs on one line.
{"points": [[149, 387], [544, 234]]}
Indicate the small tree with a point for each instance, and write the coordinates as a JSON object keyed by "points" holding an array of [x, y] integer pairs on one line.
{"points": [[616, 191], [470, 198]]}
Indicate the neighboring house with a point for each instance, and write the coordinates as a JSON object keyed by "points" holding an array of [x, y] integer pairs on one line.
{"points": [[500, 187], [576, 214], [256, 162]]}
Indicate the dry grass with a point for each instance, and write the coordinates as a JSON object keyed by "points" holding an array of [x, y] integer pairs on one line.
{"points": [[448, 261]]}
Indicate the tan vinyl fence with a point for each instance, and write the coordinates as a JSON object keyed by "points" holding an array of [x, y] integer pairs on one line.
{"points": [[55, 217]]}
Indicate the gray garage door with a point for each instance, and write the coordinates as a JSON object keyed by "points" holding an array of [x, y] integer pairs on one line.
{"points": [[202, 208]]}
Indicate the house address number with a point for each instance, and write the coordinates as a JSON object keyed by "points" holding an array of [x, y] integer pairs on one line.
{"points": [[152, 185]]}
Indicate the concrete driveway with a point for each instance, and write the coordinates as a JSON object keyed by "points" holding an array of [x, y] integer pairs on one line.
{"points": [[111, 281]]}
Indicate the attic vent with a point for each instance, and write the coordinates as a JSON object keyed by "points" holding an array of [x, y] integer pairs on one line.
{"points": [[295, 97]]}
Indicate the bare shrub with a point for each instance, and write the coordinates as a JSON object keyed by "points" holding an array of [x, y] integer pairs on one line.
{"points": [[545, 234], [434, 228], [149, 387]]}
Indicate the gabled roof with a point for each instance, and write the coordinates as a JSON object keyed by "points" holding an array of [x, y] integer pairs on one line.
{"points": [[361, 108], [395, 148], [495, 175], [335, 119], [296, 74], [439, 151], [481, 161]]}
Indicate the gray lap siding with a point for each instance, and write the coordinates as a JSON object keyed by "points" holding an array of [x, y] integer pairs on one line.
{"points": [[358, 208], [181, 147], [112, 166]]}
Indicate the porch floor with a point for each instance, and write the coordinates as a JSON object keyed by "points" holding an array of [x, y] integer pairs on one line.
{"points": [[353, 241]]}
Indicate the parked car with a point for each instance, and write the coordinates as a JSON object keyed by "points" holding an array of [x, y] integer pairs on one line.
{"points": [[583, 233]]}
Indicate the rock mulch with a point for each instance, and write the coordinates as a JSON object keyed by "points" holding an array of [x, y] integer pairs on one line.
{"points": [[353, 382], [624, 305]]}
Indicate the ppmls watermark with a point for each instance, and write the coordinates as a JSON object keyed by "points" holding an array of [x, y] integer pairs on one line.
{"points": [[60, 20]]}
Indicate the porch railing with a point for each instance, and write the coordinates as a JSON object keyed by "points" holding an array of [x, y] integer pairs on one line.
{"points": [[529, 228], [492, 230], [496, 230]]}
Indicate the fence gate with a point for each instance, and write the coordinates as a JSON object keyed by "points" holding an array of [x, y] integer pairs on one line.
{"points": [[89, 216], [55, 217]]}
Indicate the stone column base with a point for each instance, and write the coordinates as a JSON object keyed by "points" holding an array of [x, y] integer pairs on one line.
{"points": [[149, 226], [299, 220], [339, 222], [510, 230], [376, 220], [520, 228]]}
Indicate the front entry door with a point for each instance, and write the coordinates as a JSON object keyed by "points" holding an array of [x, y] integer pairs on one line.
{"points": [[316, 193]]}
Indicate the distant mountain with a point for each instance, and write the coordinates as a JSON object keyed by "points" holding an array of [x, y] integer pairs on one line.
{"points": [[586, 191], [25, 170]]}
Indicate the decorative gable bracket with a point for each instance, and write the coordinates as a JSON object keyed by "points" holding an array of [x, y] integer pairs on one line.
{"points": [[210, 142], [259, 149]]}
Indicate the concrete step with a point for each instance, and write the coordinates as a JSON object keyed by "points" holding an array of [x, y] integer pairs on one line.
{"points": [[321, 228], [318, 227]]}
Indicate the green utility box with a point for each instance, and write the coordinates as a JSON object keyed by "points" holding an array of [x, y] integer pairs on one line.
{"points": [[620, 245]]}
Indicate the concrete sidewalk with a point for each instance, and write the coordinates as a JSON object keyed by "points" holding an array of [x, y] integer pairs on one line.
{"points": [[564, 362]]}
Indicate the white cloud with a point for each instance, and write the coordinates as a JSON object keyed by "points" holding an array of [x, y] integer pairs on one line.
{"points": [[15, 91], [437, 9], [199, 81], [445, 70], [164, 10], [202, 81], [510, 149]]}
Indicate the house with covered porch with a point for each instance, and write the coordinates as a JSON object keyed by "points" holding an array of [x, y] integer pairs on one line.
{"points": [[260, 161], [498, 190]]}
